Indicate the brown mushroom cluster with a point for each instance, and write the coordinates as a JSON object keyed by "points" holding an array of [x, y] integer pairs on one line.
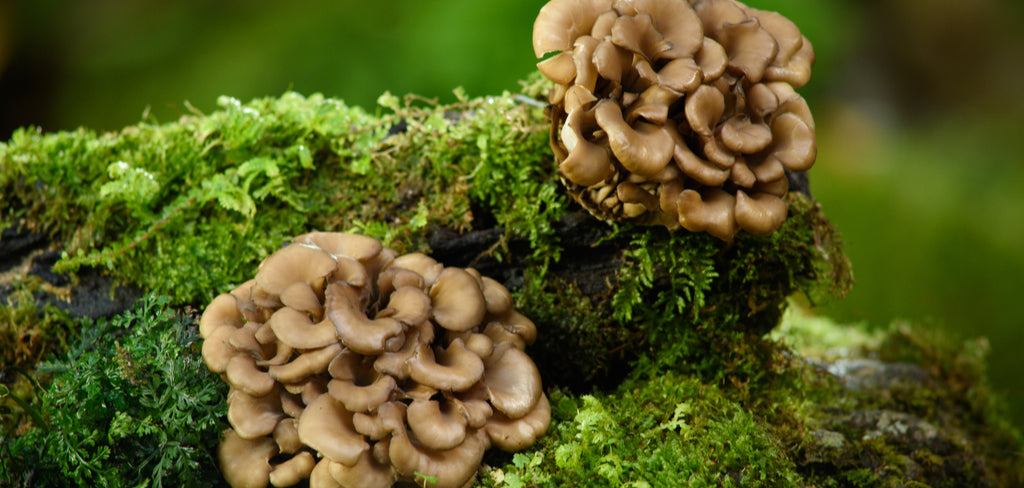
{"points": [[675, 112], [355, 367]]}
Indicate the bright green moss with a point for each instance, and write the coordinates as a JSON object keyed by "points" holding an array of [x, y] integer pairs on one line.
{"points": [[189, 207], [668, 431]]}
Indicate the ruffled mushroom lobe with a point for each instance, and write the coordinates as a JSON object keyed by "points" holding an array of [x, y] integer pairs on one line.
{"points": [[367, 472], [246, 462], [253, 417], [454, 368], [326, 426], [512, 381], [437, 425], [513, 434], [560, 22], [293, 470], [457, 299], [453, 468]]}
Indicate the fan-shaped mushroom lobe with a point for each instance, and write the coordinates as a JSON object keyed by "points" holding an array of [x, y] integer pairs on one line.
{"points": [[246, 462], [512, 381], [453, 369], [358, 332], [325, 425], [458, 301], [453, 468], [516, 434], [560, 22]]}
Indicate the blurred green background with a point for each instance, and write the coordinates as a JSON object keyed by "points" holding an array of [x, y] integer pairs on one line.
{"points": [[919, 113]]}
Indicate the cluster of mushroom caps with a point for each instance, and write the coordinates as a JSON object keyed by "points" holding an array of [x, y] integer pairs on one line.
{"points": [[355, 367], [675, 112]]}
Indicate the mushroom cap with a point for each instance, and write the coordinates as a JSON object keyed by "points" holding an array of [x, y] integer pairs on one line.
{"points": [[242, 373], [560, 22], [321, 477], [795, 146], [216, 350], [222, 311], [517, 434], [325, 425], [513, 322], [458, 301], [587, 163], [473, 405], [291, 404], [644, 150], [294, 263], [358, 332], [693, 166], [409, 305], [559, 68], [454, 368], [512, 381], [498, 298], [421, 264], [712, 59], [715, 13], [676, 23], [355, 246], [245, 462], [304, 365], [362, 398], [478, 342], [293, 470], [750, 48], [244, 341], [386, 418], [295, 328], [500, 333], [739, 134], [453, 468], [286, 436], [760, 214], [713, 211], [301, 297], [394, 278], [397, 363], [251, 416], [367, 472], [437, 425]]}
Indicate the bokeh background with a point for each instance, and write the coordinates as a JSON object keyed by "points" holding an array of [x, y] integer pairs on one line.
{"points": [[918, 104]]}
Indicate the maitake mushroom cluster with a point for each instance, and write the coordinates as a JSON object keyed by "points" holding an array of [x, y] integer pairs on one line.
{"points": [[679, 113], [355, 367]]}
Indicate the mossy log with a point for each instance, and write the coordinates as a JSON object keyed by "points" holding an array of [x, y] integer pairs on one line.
{"points": [[661, 351]]}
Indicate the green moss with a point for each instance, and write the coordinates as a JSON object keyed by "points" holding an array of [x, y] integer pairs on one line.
{"points": [[189, 207], [668, 431], [29, 333]]}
